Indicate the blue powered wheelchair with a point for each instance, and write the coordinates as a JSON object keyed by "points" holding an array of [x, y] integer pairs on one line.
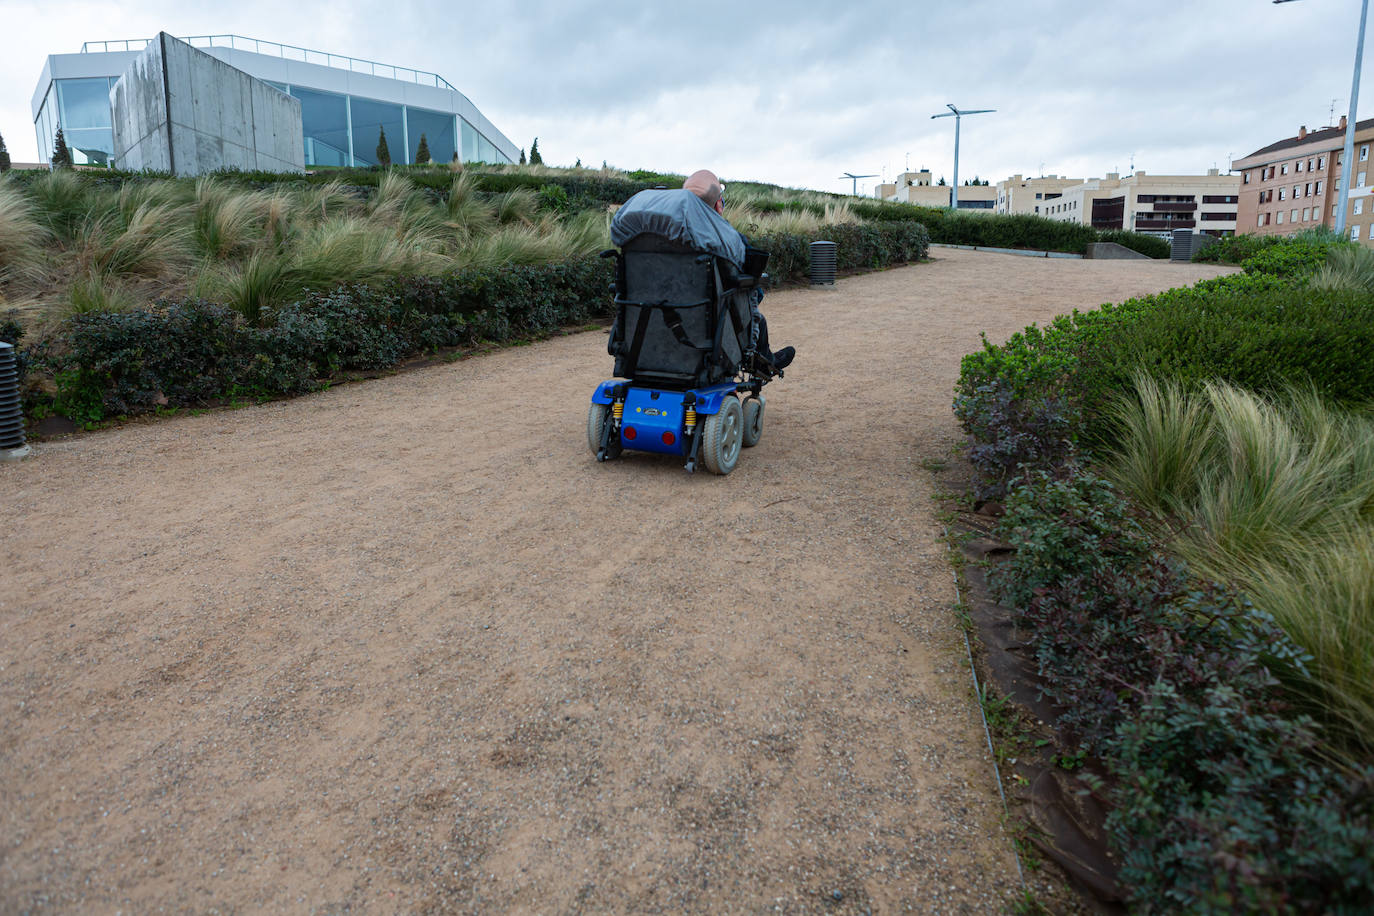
{"points": [[688, 380]]}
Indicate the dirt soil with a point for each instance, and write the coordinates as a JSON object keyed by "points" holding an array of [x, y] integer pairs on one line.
{"points": [[405, 646]]}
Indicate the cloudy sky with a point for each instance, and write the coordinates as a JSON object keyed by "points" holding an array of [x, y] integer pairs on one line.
{"points": [[797, 93]]}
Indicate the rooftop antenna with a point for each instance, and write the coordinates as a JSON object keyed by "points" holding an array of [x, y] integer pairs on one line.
{"points": [[1331, 114], [956, 114], [1132, 163], [1042, 170], [908, 161], [855, 179]]}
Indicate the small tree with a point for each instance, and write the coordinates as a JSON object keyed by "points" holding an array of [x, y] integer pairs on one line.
{"points": [[522, 155], [4, 156], [578, 163], [941, 182], [422, 151], [383, 154], [535, 158], [61, 156]]}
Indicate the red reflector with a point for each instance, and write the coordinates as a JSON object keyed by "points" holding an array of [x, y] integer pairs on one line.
{"points": [[669, 438], [629, 432]]}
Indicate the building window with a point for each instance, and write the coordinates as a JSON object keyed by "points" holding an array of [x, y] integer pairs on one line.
{"points": [[1306, 214], [1359, 205], [1307, 190], [437, 128], [1281, 190], [1364, 153], [1319, 188], [1244, 177], [1321, 162], [1283, 169], [1354, 233], [1259, 219], [1359, 179], [1333, 211], [1309, 165], [1038, 195], [1279, 219], [370, 119], [1296, 189], [324, 126], [1293, 217]]}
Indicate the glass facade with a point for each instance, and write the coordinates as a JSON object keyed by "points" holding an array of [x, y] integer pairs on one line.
{"points": [[344, 130], [82, 109]]}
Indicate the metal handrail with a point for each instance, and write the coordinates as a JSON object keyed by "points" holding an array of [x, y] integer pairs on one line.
{"points": [[290, 52]]}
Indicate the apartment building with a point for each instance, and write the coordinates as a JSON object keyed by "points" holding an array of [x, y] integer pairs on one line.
{"points": [[1155, 204], [916, 188], [1294, 184], [1028, 195]]}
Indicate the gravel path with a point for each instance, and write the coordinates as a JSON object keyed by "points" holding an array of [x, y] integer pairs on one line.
{"points": [[403, 645]]}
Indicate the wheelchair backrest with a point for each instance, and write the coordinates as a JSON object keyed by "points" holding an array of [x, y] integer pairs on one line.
{"points": [[672, 302]]}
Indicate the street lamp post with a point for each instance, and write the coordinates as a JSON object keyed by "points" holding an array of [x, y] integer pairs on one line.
{"points": [[1348, 164], [956, 114]]}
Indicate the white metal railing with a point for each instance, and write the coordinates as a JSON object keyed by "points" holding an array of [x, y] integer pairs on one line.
{"points": [[290, 52]]}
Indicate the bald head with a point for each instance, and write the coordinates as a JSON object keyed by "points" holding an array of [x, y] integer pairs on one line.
{"points": [[707, 186]]}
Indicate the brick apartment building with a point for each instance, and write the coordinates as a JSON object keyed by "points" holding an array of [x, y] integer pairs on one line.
{"points": [[1294, 184]]}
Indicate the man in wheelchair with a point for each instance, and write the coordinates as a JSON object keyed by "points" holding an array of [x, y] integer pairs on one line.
{"points": [[688, 338], [663, 212]]}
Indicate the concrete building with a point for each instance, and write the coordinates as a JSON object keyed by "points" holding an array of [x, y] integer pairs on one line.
{"points": [[179, 110], [1028, 195], [916, 188], [345, 103], [1294, 184], [1155, 204]]}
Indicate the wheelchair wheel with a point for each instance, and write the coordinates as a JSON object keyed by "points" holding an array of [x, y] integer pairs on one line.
{"points": [[597, 418], [753, 422], [721, 437]]}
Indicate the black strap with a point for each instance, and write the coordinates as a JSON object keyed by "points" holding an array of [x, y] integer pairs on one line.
{"points": [[674, 322], [641, 326]]}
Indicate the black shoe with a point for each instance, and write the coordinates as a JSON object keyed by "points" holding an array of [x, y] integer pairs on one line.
{"points": [[783, 358]]}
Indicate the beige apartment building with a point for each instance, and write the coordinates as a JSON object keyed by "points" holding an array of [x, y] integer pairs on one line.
{"points": [[1155, 204], [1028, 195], [916, 188], [1294, 184]]}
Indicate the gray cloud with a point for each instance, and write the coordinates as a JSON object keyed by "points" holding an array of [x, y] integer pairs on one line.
{"points": [[798, 92]]}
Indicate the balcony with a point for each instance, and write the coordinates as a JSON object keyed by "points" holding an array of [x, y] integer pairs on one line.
{"points": [[1142, 224], [1187, 207]]}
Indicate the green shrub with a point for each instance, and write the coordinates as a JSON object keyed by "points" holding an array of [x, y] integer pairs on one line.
{"points": [[1219, 800]]}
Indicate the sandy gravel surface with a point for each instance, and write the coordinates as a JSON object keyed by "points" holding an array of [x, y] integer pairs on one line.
{"points": [[403, 645]]}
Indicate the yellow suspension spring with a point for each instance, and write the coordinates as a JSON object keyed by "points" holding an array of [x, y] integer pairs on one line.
{"points": [[690, 418], [617, 410]]}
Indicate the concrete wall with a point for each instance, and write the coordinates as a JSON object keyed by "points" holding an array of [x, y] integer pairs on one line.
{"points": [[180, 110]]}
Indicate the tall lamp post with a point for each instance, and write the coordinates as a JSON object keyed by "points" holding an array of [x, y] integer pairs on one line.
{"points": [[956, 114], [1348, 163]]}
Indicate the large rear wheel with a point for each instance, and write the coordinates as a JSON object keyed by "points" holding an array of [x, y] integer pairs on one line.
{"points": [[597, 418], [721, 437]]}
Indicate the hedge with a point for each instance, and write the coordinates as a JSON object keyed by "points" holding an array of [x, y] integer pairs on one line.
{"points": [[1033, 399], [191, 352], [1220, 799]]}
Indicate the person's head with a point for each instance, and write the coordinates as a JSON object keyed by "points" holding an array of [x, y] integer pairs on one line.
{"points": [[708, 187]]}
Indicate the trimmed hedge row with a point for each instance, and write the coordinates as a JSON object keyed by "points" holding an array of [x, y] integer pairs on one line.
{"points": [[1033, 399], [1219, 800], [857, 246], [192, 352]]}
